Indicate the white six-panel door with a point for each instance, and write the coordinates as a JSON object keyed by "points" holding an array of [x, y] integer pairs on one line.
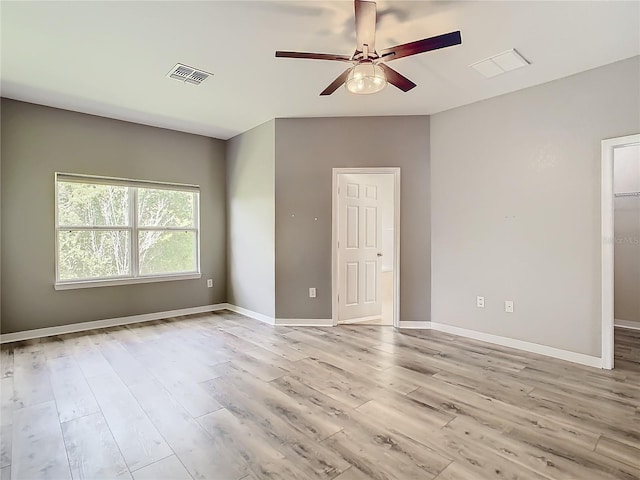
{"points": [[359, 246]]}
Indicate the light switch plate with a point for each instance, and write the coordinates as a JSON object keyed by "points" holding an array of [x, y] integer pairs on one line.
{"points": [[508, 306], [312, 292]]}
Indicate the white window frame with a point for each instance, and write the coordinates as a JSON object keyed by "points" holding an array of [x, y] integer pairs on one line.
{"points": [[133, 229]]}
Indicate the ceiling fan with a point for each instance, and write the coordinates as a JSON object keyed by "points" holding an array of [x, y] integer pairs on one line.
{"points": [[370, 72]]}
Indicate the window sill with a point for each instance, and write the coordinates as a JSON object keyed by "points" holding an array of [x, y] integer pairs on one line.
{"points": [[124, 281]]}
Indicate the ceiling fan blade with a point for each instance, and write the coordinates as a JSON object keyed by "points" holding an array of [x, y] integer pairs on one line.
{"points": [[365, 25], [420, 46], [396, 79], [336, 83], [313, 56]]}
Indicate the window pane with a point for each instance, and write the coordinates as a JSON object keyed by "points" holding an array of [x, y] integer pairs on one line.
{"points": [[165, 208], [83, 204], [167, 252], [93, 254]]}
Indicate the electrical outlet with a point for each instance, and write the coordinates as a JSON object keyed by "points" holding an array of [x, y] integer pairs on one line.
{"points": [[508, 306], [480, 302], [210, 283], [312, 292]]}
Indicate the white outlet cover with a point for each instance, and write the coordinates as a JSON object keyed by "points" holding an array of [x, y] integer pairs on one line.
{"points": [[480, 302], [312, 292]]}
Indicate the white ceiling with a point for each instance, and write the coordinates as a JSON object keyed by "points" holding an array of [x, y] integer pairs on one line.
{"points": [[110, 58]]}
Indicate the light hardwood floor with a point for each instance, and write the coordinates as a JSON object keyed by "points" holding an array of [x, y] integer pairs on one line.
{"points": [[220, 396]]}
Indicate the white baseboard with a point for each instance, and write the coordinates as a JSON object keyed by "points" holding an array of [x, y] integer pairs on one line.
{"points": [[304, 322], [281, 322], [315, 322], [630, 324], [146, 317], [109, 322], [521, 345], [251, 314], [414, 325]]}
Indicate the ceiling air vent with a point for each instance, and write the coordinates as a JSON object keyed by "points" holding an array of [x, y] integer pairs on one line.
{"points": [[500, 63], [188, 74]]}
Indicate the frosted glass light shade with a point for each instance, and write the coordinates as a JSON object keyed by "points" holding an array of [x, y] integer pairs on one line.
{"points": [[366, 78]]}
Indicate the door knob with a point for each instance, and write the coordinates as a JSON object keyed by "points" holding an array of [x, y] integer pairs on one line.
{"points": [[379, 254]]}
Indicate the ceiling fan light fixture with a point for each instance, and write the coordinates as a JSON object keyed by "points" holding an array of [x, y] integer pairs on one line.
{"points": [[366, 78], [370, 74]]}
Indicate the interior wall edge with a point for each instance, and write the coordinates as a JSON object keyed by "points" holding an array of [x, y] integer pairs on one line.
{"points": [[250, 210]]}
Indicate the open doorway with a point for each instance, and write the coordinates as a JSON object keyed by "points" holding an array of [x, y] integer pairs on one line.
{"points": [[365, 248], [620, 241]]}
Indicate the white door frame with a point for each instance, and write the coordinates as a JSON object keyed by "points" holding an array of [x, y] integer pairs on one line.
{"points": [[608, 243], [395, 171]]}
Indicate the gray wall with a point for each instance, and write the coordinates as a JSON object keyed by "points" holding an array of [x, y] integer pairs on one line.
{"points": [[250, 219], [627, 234], [38, 141], [306, 152], [516, 206]]}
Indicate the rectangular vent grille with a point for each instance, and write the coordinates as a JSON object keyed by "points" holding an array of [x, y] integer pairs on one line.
{"points": [[500, 63], [188, 74]]}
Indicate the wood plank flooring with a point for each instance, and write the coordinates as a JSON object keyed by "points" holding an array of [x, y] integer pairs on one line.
{"points": [[220, 396]]}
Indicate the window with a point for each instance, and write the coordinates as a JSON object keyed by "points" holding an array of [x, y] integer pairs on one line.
{"points": [[113, 231]]}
